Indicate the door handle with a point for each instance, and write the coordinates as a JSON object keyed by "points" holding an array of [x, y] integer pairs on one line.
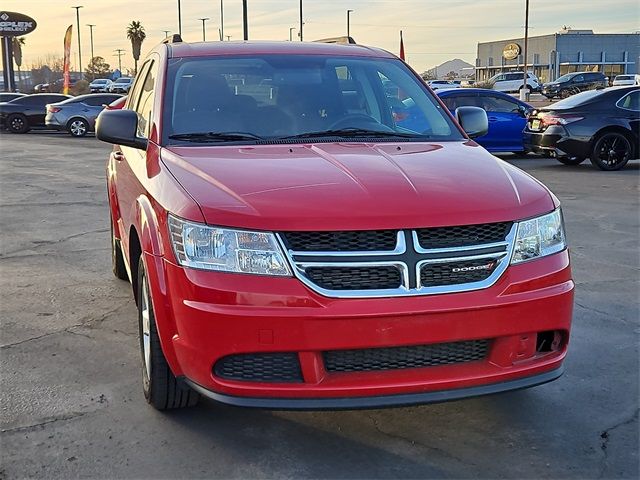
{"points": [[493, 119], [117, 155]]}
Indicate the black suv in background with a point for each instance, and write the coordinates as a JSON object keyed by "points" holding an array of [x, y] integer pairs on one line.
{"points": [[572, 83]]}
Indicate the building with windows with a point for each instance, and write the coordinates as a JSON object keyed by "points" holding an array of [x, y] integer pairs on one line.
{"points": [[550, 56]]}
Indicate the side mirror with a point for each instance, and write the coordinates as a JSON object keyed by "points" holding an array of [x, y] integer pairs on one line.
{"points": [[120, 127], [524, 111], [473, 121]]}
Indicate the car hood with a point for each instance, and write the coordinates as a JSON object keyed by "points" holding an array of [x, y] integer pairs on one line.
{"points": [[354, 186]]}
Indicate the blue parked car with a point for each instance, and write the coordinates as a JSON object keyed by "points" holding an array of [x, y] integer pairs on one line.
{"points": [[507, 116]]}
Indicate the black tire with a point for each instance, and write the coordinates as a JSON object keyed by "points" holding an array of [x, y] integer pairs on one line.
{"points": [[17, 123], [161, 388], [117, 258], [611, 151], [77, 127], [565, 93], [571, 160]]}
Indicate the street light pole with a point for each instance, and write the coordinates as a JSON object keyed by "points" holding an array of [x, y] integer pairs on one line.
{"points": [[79, 45], [221, 20], [179, 19], [245, 21], [301, 22], [524, 93], [349, 22], [119, 55], [291, 29], [204, 36], [166, 33], [91, 35]]}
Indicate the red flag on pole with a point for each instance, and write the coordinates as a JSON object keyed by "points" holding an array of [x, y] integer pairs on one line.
{"points": [[401, 46], [67, 60]]}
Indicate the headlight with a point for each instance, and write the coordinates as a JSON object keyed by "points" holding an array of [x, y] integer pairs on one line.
{"points": [[539, 237], [225, 249]]}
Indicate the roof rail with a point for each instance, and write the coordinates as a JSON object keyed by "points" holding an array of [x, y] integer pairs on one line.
{"points": [[175, 38], [342, 40]]}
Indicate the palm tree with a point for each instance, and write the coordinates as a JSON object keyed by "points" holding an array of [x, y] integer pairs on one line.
{"points": [[17, 56], [135, 33]]}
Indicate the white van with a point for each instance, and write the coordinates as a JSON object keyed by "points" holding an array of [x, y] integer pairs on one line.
{"points": [[512, 82]]}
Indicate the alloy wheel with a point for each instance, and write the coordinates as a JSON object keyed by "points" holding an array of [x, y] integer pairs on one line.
{"points": [[78, 128], [17, 124], [612, 151]]}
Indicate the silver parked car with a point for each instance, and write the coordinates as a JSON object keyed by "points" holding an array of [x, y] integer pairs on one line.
{"points": [[121, 85], [100, 85], [78, 115]]}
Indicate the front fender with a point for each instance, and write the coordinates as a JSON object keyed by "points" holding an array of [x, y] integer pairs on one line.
{"points": [[153, 252]]}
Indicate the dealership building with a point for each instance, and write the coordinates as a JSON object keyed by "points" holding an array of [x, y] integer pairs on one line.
{"points": [[550, 56]]}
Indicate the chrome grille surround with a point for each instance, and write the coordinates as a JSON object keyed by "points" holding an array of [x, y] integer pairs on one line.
{"points": [[409, 258]]}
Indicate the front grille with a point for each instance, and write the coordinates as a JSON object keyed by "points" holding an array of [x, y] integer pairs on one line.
{"points": [[454, 273], [356, 278], [396, 358], [260, 367], [348, 241], [463, 235]]}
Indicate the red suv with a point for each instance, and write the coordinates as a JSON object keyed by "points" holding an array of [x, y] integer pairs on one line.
{"points": [[306, 226]]}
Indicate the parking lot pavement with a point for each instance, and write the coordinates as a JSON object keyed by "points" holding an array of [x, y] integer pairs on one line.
{"points": [[71, 401]]}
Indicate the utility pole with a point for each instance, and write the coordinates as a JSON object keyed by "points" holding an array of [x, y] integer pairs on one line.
{"points": [[524, 93], [119, 55], [221, 20], [166, 33], [245, 21], [204, 35], [228, 38], [179, 19], [91, 35], [79, 45], [291, 29], [301, 22], [349, 22]]}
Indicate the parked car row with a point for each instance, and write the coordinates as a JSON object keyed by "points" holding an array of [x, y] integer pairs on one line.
{"points": [[76, 115]]}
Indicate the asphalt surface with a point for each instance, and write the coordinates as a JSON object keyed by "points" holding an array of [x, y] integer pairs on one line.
{"points": [[71, 400]]}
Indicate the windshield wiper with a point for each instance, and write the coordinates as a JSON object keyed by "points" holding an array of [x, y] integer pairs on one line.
{"points": [[215, 136], [353, 133]]}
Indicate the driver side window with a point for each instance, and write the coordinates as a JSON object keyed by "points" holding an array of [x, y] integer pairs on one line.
{"points": [[144, 103]]}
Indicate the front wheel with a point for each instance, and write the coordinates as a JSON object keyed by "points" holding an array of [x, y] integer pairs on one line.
{"points": [[77, 127], [571, 160], [17, 123], [161, 388], [611, 151]]}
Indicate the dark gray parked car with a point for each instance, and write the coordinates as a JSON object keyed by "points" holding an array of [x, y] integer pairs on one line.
{"points": [[78, 115]]}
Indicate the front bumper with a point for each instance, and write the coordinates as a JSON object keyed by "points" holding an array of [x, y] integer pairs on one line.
{"points": [[204, 316]]}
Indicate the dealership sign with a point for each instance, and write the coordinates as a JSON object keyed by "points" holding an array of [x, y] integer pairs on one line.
{"points": [[511, 51], [15, 24]]}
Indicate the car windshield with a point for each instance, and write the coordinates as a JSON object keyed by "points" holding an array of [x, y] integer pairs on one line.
{"points": [[293, 97], [624, 77], [99, 81]]}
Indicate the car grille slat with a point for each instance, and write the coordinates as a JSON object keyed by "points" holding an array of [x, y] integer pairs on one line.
{"points": [[397, 358], [463, 235], [260, 367], [355, 278], [346, 241]]}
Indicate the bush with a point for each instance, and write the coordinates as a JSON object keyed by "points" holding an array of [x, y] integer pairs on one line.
{"points": [[80, 88]]}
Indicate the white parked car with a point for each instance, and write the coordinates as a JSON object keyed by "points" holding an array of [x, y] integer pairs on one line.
{"points": [[626, 80], [121, 85], [513, 82], [100, 85], [442, 84]]}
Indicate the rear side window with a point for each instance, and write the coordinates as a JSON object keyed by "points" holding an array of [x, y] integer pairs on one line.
{"points": [[497, 104], [631, 101], [454, 101]]}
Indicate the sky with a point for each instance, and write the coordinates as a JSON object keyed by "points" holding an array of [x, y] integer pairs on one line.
{"points": [[434, 30]]}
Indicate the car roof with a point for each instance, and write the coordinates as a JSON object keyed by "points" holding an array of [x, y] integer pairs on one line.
{"points": [[198, 49]]}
